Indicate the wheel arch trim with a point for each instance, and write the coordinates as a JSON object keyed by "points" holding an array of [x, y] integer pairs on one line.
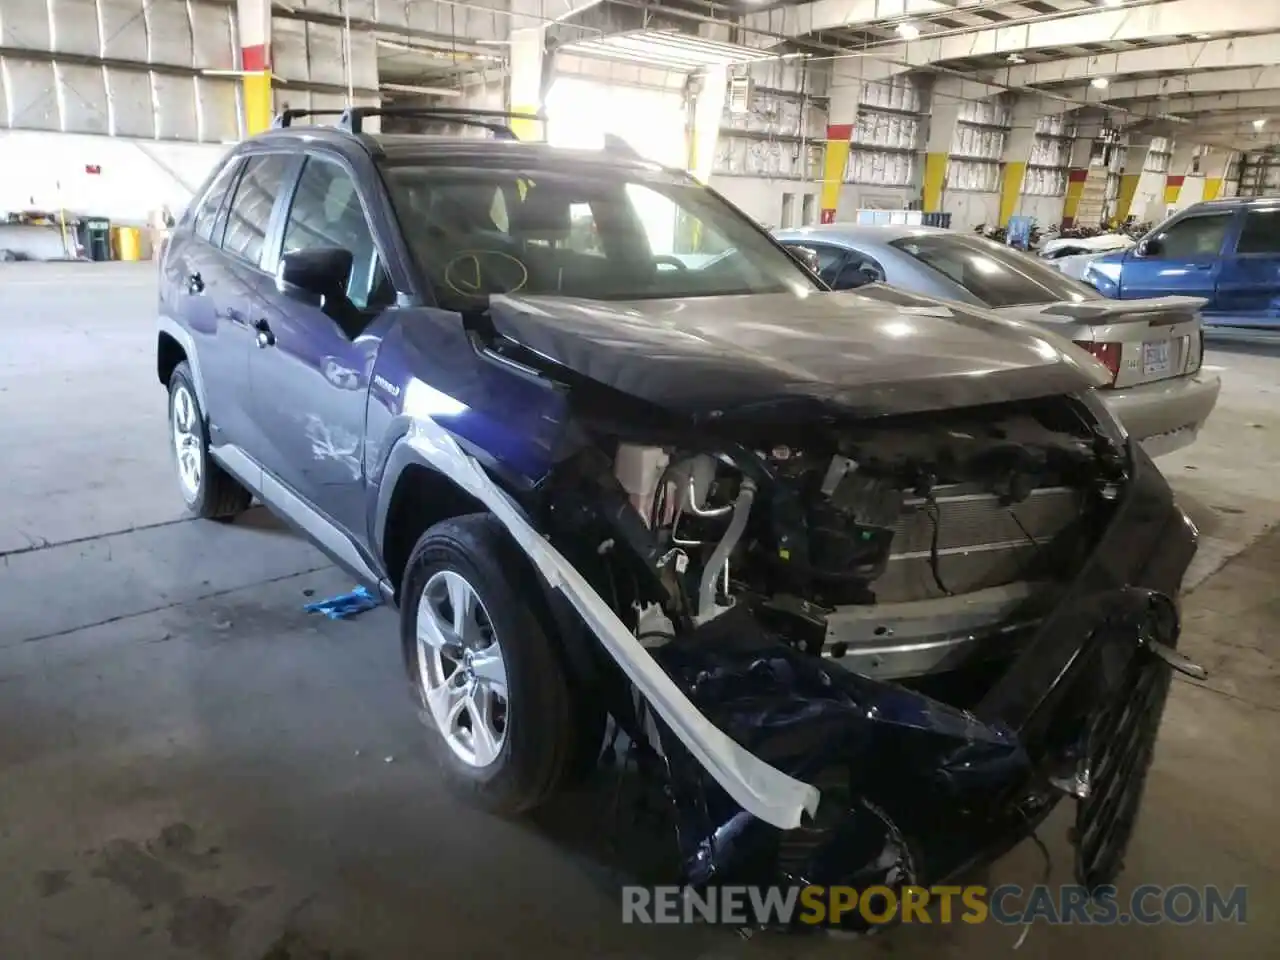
{"points": [[758, 787]]}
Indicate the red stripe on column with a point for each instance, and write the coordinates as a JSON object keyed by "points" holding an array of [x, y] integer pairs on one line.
{"points": [[839, 131], [1175, 181], [255, 59], [1078, 175]]}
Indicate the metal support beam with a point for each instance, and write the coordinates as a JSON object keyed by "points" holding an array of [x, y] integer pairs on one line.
{"points": [[1169, 19], [1254, 51], [1256, 100], [1208, 81]]}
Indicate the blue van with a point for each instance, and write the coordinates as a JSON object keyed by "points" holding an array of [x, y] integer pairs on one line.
{"points": [[1226, 251]]}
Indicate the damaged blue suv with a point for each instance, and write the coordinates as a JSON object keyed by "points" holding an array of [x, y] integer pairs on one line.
{"points": [[869, 581]]}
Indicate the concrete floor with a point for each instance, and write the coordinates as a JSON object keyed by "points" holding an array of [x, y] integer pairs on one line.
{"points": [[191, 766]]}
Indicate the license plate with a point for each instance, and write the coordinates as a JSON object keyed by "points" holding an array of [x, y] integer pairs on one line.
{"points": [[1155, 358]]}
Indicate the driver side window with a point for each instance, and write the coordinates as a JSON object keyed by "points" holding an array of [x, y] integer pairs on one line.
{"points": [[1194, 237], [327, 212]]}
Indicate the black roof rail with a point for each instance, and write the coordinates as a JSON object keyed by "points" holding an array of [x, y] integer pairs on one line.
{"points": [[353, 117], [285, 118]]}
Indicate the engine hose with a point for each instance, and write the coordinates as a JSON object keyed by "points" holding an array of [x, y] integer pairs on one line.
{"points": [[707, 587]]}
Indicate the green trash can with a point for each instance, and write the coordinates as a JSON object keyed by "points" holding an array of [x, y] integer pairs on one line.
{"points": [[95, 238]]}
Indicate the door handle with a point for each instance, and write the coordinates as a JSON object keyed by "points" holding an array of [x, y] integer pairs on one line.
{"points": [[195, 284], [265, 337]]}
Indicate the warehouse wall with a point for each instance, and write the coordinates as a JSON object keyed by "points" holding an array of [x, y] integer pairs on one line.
{"points": [[45, 171], [1047, 211], [867, 196], [969, 208], [763, 199]]}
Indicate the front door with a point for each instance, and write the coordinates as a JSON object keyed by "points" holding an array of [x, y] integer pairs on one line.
{"points": [[311, 371], [1249, 285], [1184, 259]]}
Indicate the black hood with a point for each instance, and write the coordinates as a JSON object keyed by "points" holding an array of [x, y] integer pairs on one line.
{"points": [[872, 354]]}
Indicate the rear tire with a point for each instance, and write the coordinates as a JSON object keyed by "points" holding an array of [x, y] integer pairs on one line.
{"points": [[208, 490], [504, 747]]}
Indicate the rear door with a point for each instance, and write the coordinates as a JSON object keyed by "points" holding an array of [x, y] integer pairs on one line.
{"points": [[193, 287], [1249, 283], [1186, 261], [237, 266]]}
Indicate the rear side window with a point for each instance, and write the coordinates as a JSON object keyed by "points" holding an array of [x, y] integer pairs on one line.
{"points": [[251, 208], [1261, 233], [211, 203], [997, 275]]}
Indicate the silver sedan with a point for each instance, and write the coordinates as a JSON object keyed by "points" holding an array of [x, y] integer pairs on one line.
{"points": [[1152, 348]]}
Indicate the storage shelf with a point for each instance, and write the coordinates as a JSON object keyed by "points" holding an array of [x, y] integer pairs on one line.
{"points": [[965, 156], [767, 136], [985, 126], [789, 94], [896, 111], [1056, 136], [872, 148], [789, 178]]}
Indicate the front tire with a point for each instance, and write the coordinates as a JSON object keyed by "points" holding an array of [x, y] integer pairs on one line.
{"points": [[208, 490], [488, 678]]}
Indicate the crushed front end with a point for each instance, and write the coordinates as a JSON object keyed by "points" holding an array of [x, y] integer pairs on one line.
{"points": [[946, 623]]}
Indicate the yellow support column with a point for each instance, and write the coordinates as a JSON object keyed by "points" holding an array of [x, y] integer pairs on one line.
{"points": [[935, 174], [1011, 189], [834, 161], [254, 20], [258, 107]]}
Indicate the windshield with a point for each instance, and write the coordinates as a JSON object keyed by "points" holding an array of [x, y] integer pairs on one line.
{"points": [[598, 234], [997, 275]]}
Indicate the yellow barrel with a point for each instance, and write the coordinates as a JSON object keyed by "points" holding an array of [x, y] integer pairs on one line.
{"points": [[128, 243]]}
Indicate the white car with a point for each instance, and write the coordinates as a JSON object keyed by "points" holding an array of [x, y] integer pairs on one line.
{"points": [[1072, 254]]}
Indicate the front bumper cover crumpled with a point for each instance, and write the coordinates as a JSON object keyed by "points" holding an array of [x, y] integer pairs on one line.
{"points": [[915, 791]]}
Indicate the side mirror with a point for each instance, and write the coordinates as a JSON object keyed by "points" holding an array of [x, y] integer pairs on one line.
{"points": [[807, 256], [1150, 247], [317, 275]]}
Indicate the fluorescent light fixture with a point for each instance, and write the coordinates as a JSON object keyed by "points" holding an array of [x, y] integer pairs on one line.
{"points": [[1100, 82], [1112, 3], [1202, 36], [1015, 58], [666, 48], [425, 91], [908, 30], [792, 55], [1259, 123]]}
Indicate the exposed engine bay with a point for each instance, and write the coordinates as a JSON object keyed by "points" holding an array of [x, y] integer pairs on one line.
{"points": [[898, 547]]}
